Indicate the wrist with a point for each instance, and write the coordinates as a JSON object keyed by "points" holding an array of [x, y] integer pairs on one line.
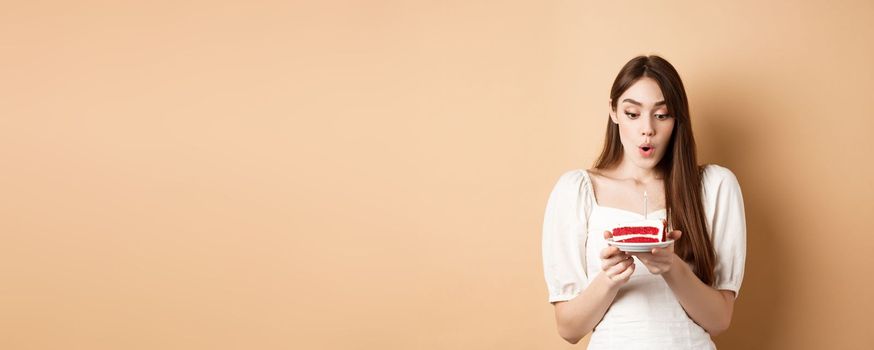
{"points": [[677, 268]]}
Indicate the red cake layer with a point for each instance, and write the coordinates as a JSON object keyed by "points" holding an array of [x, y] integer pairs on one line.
{"points": [[640, 240], [646, 230]]}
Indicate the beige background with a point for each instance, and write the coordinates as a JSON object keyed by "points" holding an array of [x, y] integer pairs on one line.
{"points": [[373, 174]]}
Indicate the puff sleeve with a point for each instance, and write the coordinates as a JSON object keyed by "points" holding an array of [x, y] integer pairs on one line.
{"points": [[726, 222], [564, 235]]}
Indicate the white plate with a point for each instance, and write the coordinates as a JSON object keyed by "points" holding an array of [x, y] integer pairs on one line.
{"points": [[639, 247]]}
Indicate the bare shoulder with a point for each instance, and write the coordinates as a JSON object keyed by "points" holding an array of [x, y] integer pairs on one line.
{"points": [[605, 177], [597, 177], [593, 172], [600, 174]]}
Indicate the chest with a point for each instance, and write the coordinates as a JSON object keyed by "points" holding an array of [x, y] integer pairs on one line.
{"points": [[629, 196]]}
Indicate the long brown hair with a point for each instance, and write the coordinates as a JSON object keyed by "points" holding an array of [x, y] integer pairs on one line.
{"points": [[679, 166]]}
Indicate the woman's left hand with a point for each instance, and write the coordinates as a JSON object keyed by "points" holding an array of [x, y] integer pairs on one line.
{"points": [[660, 260]]}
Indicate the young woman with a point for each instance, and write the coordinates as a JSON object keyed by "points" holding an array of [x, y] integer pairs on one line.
{"points": [[669, 298]]}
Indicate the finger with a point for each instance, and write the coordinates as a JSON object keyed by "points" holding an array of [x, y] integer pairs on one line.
{"points": [[662, 252], [608, 234], [613, 260], [645, 259], [661, 262], [618, 268], [608, 263], [675, 235], [625, 274], [608, 252]]}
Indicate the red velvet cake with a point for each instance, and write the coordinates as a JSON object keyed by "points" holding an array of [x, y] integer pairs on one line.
{"points": [[644, 231]]}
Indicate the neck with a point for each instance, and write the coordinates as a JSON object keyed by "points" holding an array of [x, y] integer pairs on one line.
{"points": [[628, 170]]}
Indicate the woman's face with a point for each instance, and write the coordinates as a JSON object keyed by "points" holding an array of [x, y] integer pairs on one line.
{"points": [[645, 123]]}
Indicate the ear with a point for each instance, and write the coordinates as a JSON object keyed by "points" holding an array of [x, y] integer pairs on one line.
{"points": [[612, 111]]}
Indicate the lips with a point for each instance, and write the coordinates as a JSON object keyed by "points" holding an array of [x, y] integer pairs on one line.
{"points": [[646, 150]]}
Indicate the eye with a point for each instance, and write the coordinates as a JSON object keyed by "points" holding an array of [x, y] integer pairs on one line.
{"points": [[631, 115], [662, 116]]}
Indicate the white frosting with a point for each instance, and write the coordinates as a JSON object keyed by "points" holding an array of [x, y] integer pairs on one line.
{"points": [[627, 237]]}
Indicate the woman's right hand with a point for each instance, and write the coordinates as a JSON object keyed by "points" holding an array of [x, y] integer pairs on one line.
{"points": [[616, 265]]}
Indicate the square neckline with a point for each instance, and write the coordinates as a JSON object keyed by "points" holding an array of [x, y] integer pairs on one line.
{"points": [[591, 189]]}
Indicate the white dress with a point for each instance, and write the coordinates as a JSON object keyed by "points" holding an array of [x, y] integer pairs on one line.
{"points": [[645, 313]]}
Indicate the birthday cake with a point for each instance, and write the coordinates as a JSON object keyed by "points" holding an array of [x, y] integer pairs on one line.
{"points": [[644, 231]]}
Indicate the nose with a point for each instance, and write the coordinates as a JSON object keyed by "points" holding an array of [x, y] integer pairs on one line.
{"points": [[648, 129]]}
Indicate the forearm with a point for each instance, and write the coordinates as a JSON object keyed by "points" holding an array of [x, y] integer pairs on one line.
{"points": [[707, 306], [579, 316]]}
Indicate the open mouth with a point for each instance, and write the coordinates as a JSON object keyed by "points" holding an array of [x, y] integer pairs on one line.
{"points": [[646, 151]]}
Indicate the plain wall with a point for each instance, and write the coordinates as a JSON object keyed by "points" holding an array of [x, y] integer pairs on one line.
{"points": [[373, 174]]}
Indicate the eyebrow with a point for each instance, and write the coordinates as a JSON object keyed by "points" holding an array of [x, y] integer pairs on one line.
{"points": [[641, 104]]}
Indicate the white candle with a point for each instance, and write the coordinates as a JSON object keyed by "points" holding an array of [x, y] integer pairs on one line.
{"points": [[645, 198]]}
